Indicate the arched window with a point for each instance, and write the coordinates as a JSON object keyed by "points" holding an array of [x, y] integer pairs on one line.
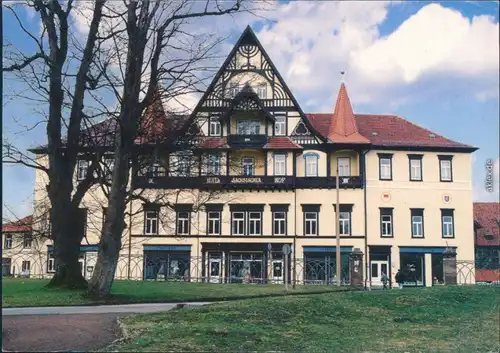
{"points": [[311, 164]]}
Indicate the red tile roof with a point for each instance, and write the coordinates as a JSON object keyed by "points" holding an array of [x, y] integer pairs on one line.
{"points": [[388, 131], [487, 219], [213, 142], [343, 127], [20, 226], [281, 143], [485, 275]]}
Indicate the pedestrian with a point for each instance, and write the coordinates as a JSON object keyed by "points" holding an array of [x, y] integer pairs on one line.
{"points": [[399, 279], [385, 280]]}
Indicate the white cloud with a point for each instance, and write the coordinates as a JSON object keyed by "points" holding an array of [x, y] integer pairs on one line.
{"points": [[434, 39]]}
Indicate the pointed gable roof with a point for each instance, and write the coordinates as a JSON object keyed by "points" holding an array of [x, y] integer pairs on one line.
{"points": [[343, 128]]}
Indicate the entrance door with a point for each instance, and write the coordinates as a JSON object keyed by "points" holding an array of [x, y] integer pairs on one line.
{"points": [[81, 263], [277, 271], [214, 268], [378, 267]]}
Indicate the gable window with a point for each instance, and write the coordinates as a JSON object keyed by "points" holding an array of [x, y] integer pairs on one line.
{"points": [[183, 222], [82, 167], [151, 220], [445, 168], [385, 166], [248, 127], [344, 165], [279, 164], [215, 126], [447, 223], [233, 90], [417, 223], [7, 244], [213, 167], [238, 223], [214, 222], [311, 168], [254, 223], [415, 167], [27, 241], [386, 222], [262, 91], [51, 263], [248, 166], [280, 125]]}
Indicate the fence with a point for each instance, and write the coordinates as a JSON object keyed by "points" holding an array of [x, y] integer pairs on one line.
{"points": [[243, 268]]}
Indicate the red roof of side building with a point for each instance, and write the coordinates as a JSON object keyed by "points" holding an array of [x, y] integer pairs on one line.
{"points": [[389, 131], [21, 226], [281, 142], [487, 220]]}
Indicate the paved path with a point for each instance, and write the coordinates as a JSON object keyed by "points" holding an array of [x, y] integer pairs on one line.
{"points": [[63, 329], [97, 309]]}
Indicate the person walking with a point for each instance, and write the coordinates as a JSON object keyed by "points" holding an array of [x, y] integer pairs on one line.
{"points": [[399, 279], [385, 280]]}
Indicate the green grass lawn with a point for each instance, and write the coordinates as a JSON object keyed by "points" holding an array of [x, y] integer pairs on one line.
{"points": [[32, 292], [440, 319]]}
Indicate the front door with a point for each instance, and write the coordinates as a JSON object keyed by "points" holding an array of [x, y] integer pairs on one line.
{"points": [[378, 268], [215, 269], [277, 271]]}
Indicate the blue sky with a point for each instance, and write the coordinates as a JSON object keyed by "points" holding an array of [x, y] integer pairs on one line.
{"points": [[435, 64]]}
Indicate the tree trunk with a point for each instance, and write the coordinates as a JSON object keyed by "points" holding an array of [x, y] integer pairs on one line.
{"points": [[67, 239]]}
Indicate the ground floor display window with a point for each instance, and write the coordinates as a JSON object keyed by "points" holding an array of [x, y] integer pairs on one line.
{"points": [[413, 269], [437, 269], [246, 267], [321, 268], [161, 265]]}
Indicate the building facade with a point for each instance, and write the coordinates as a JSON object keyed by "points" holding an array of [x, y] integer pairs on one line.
{"points": [[487, 241], [255, 172]]}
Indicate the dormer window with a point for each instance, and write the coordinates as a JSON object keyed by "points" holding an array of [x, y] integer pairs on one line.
{"points": [[248, 127], [215, 126]]}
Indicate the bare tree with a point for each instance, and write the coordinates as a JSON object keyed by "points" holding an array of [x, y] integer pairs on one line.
{"points": [[58, 75]]}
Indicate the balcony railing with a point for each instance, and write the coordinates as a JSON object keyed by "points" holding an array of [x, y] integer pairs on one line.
{"points": [[244, 182], [247, 140]]}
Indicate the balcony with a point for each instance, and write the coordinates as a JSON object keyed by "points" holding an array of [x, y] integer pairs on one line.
{"points": [[245, 182], [245, 141]]}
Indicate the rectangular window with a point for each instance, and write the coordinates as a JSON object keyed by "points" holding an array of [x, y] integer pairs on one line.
{"points": [[25, 266], [104, 214], [447, 223], [280, 164], [262, 91], [27, 241], [386, 222], [151, 221], [213, 165], [415, 167], [183, 222], [238, 223], [248, 166], [279, 223], [7, 241], [311, 165], [51, 263], [385, 166], [280, 125], [254, 223], [344, 165], [214, 222], [180, 164], [445, 168], [417, 223], [82, 167], [345, 223], [248, 127], [311, 223], [234, 88], [215, 126]]}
